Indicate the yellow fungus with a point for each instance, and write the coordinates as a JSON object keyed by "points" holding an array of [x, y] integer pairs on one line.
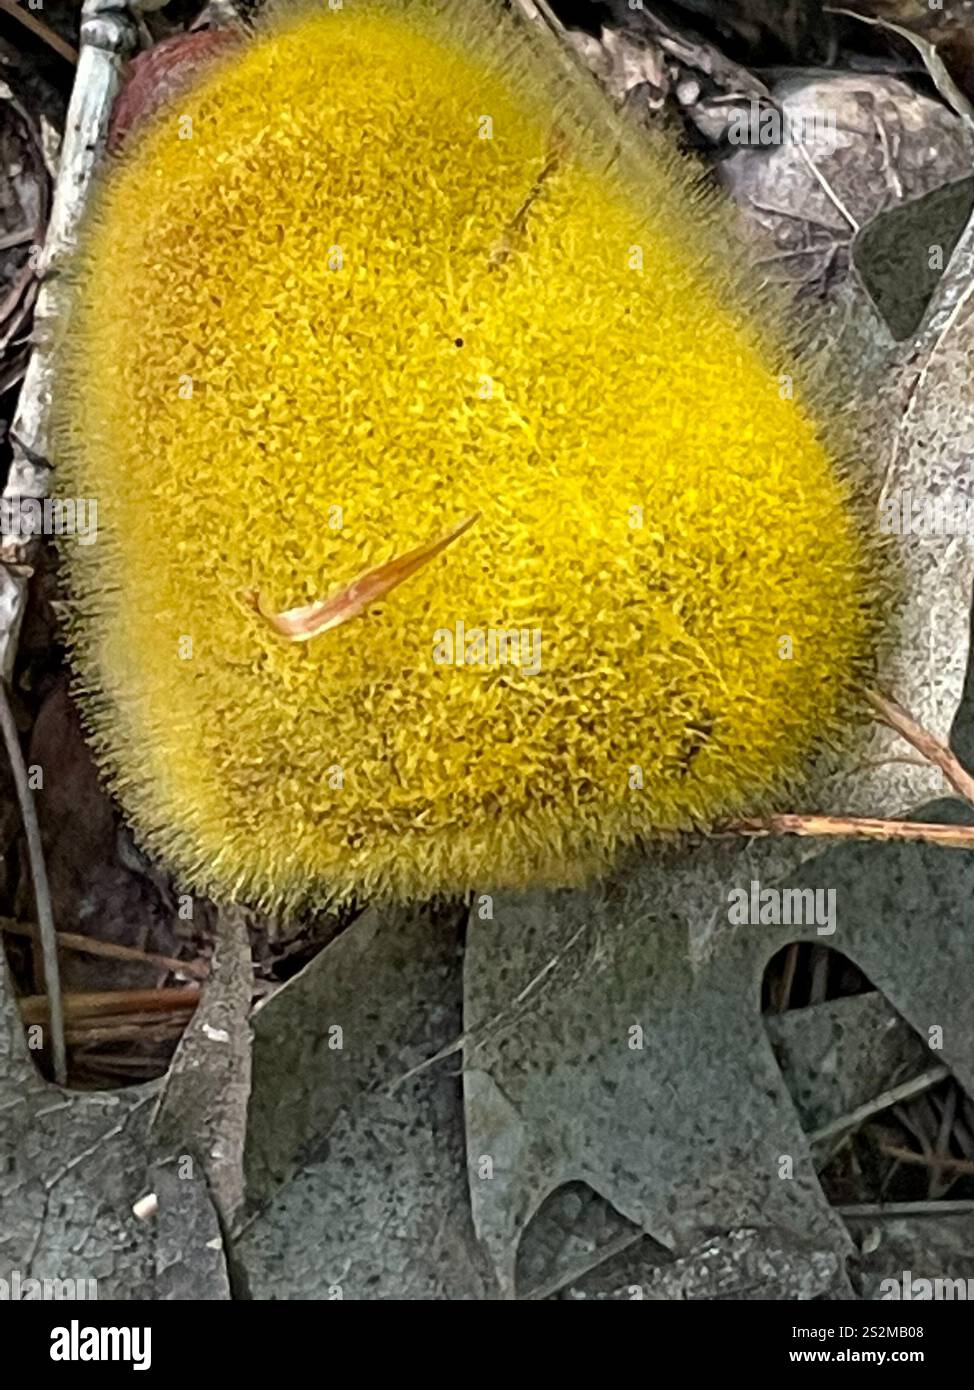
{"points": [[384, 268]]}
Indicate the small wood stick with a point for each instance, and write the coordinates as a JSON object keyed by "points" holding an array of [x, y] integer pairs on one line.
{"points": [[34, 1008], [111, 950], [42, 896], [896, 717], [869, 828], [853, 828]]}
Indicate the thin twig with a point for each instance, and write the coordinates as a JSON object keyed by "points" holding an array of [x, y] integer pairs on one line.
{"points": [[932, 749], [504, 1017], [135, 1021], [787, 981], [852, 828], [948, 1113], [894, 1210], [827, 189], [94, 1003], [97, 1063], [110, 950], [42, 895], [938, 1161], [893, 1096], [892, 713], [144, 1028], [912, 1121], [43, 31]]}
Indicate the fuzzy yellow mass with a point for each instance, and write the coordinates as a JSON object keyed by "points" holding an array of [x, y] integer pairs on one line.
{"points": [[385, 269]]}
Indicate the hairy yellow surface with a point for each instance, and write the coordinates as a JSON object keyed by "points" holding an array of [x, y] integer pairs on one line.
{"points": [[347, 293]]}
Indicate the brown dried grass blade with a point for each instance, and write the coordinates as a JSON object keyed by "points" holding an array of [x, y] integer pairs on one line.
{"points": [[301, 624]]}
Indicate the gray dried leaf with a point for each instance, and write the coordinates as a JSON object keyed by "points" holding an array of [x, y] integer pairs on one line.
{"points": [[576, 1231], [647, 60], [900, 254], [926, 1244], [683, 1124], [852, 146], [73, 1165], [743, 1265], [841, 1054], [203, 1104], [920, 431], [355, 1160]]}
